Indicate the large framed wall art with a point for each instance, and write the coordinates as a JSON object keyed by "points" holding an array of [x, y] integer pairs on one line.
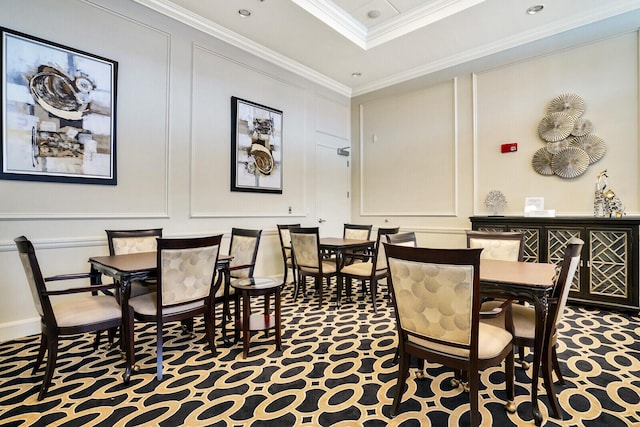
{"points": [[58, 112], [256, 147]]}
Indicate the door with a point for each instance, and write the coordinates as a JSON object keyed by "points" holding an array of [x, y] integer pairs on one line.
{"points": [[333, 186]]}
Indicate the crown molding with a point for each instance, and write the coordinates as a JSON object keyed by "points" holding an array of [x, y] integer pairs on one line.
{"points": [[206, 26]]}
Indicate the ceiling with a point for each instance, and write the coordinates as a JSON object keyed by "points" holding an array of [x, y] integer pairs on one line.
{"points": [[328, 41]]}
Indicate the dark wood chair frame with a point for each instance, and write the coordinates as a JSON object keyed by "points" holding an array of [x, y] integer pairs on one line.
{"points": [[471, 365], [50, 330], [375, 275], [207, 309], [320, 275], [288, 261]]}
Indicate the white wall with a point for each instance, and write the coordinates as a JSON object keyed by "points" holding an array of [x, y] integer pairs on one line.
{"points": [[173, 145], [437, 153]]}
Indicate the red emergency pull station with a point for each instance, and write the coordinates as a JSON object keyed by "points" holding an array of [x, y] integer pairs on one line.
{"points": [[511, 147]]}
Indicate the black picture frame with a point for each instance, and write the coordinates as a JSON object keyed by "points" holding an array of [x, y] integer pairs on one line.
{"points": [[58, 112], [256, 147]]}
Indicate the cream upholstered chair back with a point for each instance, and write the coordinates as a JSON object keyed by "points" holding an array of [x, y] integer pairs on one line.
{"points": [[434, 300], [504, 246], [244, 250], [568, 270], [187, 273], [123, 242], [186, 269], [403, 239], [306, 247], [34, 277], [357, 231], [381, 256]]}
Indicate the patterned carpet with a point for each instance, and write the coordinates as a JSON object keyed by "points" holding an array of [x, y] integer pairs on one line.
{"points": [[336, 369]]}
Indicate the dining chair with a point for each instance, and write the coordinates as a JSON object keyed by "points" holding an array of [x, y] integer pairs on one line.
{"points": [[186, 289], [243, 248], [523, 319], [305, 243], [373, 270], [436, 300], [500, 245], [64, 317], [285, 246], [356, 232], [123, 242], [403, 239]]}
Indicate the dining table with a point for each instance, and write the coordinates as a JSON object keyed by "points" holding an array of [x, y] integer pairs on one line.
{"points": [[531, 282], [126, 268], [337, 246]]}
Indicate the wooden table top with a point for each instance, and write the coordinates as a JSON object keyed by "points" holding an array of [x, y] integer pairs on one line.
{"points": [[339, 242], [140, 261], [520, 273]]}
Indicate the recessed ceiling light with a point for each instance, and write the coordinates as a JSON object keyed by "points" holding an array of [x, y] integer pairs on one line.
{"points": [[245, 13], [373, 14], [356, 74], [535, 9]]}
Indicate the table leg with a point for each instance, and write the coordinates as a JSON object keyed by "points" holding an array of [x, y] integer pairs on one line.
{"points": [[540, 305], [339, 280], [127, 330]]}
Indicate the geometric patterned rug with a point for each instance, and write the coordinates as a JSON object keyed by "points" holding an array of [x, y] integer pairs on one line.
{"points": [[335, 369]]}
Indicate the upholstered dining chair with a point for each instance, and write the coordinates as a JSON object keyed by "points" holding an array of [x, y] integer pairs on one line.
{"points": [[186, 289], [436, 299], [243, 247], [524, 319], [356, 232], [500, 245], [123, 242], [403, 239], [285, 245], [64, 317], [370, 271], [305, 243]]}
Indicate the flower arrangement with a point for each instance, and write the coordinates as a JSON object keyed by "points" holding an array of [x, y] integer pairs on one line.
{"points": [[495, 201]]}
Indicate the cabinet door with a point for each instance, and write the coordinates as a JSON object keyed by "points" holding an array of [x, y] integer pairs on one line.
{"points": [[609, 265], [532, 242]]}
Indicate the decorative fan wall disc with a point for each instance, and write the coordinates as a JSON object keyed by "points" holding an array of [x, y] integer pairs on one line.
{"points": [[593, 145], [542, 162], [555, 126], [568, 103], [555, 147], [570, 162], [581, 127]]}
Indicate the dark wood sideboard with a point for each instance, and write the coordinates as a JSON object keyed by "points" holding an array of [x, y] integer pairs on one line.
{"points": [[608, 274]]}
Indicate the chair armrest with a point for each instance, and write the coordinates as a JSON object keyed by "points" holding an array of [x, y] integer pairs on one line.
{"points": [[70, 276], [240, 267], [497, 311], [93, 288]]}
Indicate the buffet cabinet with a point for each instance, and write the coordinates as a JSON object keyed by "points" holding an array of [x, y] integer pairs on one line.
{"points": [[608, 273]]}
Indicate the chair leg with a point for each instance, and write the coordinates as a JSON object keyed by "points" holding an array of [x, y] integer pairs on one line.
{"points": [[374, 291], [319, 285], [41, 351], [403, 372], [474, 384], [547, 375], [525, 364], [210, 329], [509, 372], [556, 365], [52, 348]]}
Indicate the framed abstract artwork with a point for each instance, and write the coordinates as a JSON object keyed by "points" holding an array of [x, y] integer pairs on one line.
{"points": [[58, 112], [256, 147]]}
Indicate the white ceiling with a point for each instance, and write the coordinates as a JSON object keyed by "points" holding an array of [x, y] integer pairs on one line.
{"points": [[327, 41]]}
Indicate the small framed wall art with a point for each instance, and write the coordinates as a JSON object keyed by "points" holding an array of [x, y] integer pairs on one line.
{"points": [[256, 147], [58, 112]]}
